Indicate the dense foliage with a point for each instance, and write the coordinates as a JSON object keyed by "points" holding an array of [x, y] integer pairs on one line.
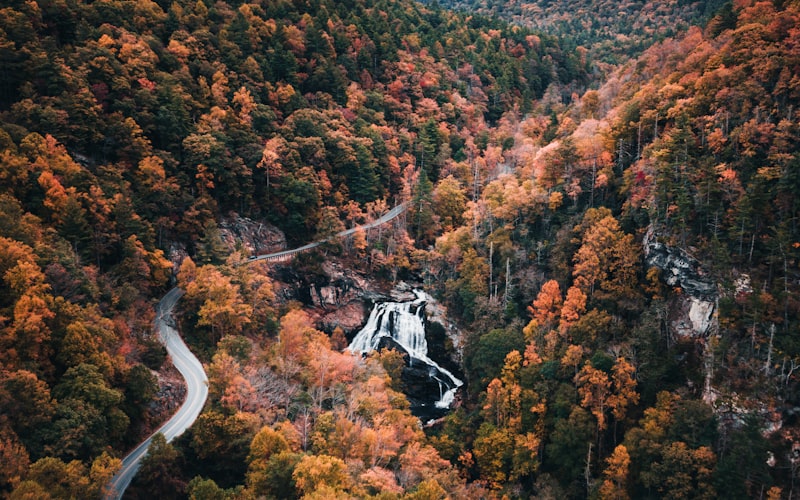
{"points": [[695, 143], [609, 31], [179, 100], [129, 129]]}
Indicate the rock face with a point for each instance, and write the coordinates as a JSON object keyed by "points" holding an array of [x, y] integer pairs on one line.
{"points": [[257, 237], [690, 316], [236, 231], [334, 296], [678, 268], [691, 312]]}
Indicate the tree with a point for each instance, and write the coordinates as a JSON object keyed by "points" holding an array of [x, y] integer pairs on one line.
{"points": [[205, 489], [59, 479], [88, 417], [594, 389], [377, 480], [566, 449], [574, 306], [328, 227], [14, 460], [73, 224], [423, 226], [741, 469], [29, 489], [272, 165], [682, 471], [546, 308], [301, 198], [317, 472], [503, 396], [223, 370], [624, 387], [221, 306], [359, 243], [140, 388], [503, 413], [266, 443], [420, 462], [490, 351], [82, 344], [276, 479], [590, 103], [211, 249], [100, 473], [449, 203], [493, 450], [615, 480], [26, 341], [29, 405], [431, 140], [159, 471], [606, 259], [573, 357], [217, 434]]}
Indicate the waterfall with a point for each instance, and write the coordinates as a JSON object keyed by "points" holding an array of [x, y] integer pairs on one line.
{"points": [[404, 323]]}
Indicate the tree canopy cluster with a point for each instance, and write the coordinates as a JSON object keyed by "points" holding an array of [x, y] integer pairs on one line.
{"points": [[610, 32]]}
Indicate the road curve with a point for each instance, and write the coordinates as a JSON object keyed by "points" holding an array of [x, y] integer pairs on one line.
{"points": [[286, 254], [190, 367]]}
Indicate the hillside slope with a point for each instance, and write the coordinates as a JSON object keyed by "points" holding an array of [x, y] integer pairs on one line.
{"points": [[622, 262], [631, 284], [611, 31], [129, 129]]}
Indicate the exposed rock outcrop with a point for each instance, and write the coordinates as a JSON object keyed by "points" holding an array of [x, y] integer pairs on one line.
{"points": [[171, 395], [334, 295], [692, 311], [678, 268], [257, 237], [237, 231], [690, 316]]}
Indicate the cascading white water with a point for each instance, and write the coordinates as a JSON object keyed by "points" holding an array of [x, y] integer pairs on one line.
{"points": [[404, 322]]}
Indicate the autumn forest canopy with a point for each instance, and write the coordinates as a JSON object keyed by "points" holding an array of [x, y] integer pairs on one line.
{"points": [[602, 196]]}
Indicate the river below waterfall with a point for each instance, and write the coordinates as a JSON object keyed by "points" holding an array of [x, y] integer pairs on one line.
{"points": [[430, 388]]}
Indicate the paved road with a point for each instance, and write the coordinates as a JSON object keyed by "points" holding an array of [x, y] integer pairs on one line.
{"points": [[196, 392], [192, 370], [286, 254]]}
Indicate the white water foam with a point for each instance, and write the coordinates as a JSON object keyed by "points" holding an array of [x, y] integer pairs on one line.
{"points": [[404, 322]]}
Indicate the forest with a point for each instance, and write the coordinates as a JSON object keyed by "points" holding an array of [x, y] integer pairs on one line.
{"points": [[605, 206], [610, 32]]}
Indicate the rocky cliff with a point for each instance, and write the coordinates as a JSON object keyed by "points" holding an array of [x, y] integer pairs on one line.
{"points": [[334, 295], [257, 237], [691, 310]]}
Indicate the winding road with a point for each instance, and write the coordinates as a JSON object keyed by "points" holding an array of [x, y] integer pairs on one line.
{"points": [[287, 254], [190, 367]]}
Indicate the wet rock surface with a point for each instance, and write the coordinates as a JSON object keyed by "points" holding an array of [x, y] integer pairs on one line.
{"points": [[428, 384], [337, 296], [417, 379], [334, 296]]}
